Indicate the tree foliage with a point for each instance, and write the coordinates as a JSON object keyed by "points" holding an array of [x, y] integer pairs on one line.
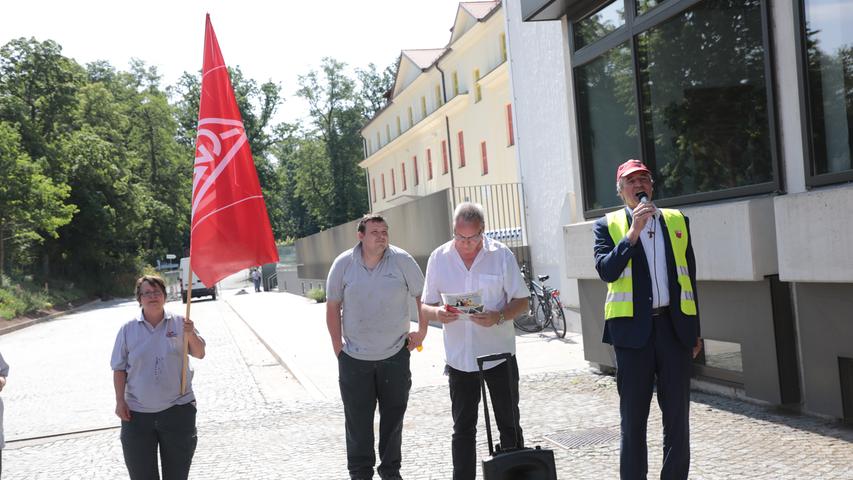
{"points": [[31, 205], [339, 106], [96, 162]]}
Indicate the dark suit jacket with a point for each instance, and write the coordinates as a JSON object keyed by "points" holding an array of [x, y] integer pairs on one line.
{"points": [[610, 261]]}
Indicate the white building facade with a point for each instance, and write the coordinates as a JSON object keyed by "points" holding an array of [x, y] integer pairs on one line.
{"points": [[449, 121]]}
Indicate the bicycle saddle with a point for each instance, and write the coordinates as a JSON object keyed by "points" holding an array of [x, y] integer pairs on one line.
{"points": [[542, 278]]}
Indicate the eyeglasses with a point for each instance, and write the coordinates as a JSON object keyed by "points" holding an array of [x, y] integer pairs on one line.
{"points": [[463, 238], [151, 294], [639, 179]]}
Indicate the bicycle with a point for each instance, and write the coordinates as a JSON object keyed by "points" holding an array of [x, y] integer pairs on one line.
{"points": [[545, 309]]}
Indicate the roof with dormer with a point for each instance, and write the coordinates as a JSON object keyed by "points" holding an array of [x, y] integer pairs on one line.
{"points": [[413, 62]]}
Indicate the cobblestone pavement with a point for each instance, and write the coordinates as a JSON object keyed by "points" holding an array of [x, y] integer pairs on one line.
{"points": [[257, 422]]}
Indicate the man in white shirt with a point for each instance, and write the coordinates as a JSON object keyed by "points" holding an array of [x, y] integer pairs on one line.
{"points": [[472, 263]]}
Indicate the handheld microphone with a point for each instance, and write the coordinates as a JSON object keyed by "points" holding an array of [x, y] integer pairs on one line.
{"points": [[644, 199]]}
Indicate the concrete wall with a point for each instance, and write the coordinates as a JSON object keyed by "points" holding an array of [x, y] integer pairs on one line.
{"points": [[544, 146], [733, 241], [737, 312], [417, 227], [825, 327], [815, 234], [289, 281]]}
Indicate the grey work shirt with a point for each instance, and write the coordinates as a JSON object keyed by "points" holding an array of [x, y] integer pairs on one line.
{"points": [[376, 302], [153, 359]]}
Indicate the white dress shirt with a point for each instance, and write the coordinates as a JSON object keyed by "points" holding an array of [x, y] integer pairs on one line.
{"points": [[495, 274], [652, 239]]}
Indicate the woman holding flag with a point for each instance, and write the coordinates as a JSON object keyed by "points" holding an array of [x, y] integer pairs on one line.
{"points": [[229, 231], [147, 362]]}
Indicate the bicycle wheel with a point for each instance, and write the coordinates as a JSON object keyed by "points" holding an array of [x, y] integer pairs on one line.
{"points": [[558, 318], [544, 313], [529, 321]]}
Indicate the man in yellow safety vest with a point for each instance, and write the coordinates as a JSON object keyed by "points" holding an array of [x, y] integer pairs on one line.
{"points": [[645, 255]]}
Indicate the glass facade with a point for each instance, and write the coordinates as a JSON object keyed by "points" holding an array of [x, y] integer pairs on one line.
{"points": [[644, 6], [723, 355], [599, 24], [829, 65], [607, 121], [704, 99], [689, 94]]}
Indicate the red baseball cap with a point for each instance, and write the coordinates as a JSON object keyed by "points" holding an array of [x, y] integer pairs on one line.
{"points": [[630, 167]]}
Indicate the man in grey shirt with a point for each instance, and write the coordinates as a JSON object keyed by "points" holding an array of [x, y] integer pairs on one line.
{"points": [[374, 284]]}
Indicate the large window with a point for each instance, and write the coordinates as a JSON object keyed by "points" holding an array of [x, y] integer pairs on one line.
{"points": [[596, 25], [444, 161], [828, 48], [607, 119], [705, 99], [686, 90], [461, 140]]}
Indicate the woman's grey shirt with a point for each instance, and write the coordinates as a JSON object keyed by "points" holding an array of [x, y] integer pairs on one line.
{"points": [[153, 359]]}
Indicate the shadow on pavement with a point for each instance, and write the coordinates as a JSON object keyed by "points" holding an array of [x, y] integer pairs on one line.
{"points": [[777, 415]]}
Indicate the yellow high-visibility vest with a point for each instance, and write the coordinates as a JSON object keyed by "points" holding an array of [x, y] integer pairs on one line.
{"points": [[620, 293]]}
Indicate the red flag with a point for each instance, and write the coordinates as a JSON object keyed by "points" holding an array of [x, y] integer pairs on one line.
{"points": [[230, 226]]}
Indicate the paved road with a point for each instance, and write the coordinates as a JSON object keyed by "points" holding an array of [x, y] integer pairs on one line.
{"points": [[261, 420]]}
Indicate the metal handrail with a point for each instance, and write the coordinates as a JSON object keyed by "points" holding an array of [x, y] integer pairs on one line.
{"points": [[273, 280]]}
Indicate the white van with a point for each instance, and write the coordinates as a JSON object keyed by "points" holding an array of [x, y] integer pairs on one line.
{"points": [[198, 288]]}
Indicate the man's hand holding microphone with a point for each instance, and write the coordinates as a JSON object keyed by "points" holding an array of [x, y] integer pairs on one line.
{"points": [[643, 211]]}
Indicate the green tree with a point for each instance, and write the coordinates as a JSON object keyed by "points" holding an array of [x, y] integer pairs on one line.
{"points": [[337, 117], [107, 237], [139, 121], [314, 183], [288, 212], [375, 88], [186, 95], [38, 92], [165, 169], [31, 205]]}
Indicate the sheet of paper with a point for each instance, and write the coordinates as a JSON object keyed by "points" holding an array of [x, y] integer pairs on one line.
{"points": [[463, 303]]}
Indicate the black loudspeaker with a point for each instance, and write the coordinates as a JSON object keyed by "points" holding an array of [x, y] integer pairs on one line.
{"points": [[512, 463], [524, 464]]}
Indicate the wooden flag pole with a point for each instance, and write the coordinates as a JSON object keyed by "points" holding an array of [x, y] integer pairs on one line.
{"points": [[186, 339]]}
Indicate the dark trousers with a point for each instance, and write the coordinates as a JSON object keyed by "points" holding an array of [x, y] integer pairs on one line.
{"points": [[364, 384], [465, 402], [666, 363], [172, 430]]}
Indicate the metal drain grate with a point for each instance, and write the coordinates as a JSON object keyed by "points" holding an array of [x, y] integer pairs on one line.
{"points": [[584, 438]]}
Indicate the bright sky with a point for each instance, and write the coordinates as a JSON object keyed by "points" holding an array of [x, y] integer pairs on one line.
{"points": [[276, 40]]}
